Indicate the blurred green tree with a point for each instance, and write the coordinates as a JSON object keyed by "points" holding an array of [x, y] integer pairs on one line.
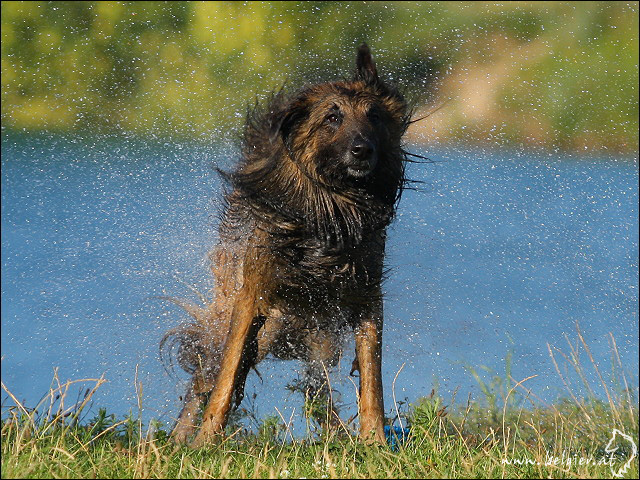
{"points": [[564, 74]]}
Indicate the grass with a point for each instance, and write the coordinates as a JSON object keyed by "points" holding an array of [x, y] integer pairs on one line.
{"points": [[509, 434]]}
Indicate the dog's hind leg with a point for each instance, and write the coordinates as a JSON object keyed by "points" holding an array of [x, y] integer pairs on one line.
{"points": [[186, 424], [324, 350], [197, 393]]}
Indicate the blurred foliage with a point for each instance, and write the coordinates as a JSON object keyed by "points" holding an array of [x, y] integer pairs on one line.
{"points": [[182, 69]]}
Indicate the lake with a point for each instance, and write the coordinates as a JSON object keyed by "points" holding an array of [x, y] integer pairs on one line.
{"points": [[499, 254]]}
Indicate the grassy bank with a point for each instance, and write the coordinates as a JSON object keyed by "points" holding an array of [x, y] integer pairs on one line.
{"points": [[507, 434], [533, 443]]}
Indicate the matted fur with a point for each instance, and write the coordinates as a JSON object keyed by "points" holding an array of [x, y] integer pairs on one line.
{"points": [[300, 257]]}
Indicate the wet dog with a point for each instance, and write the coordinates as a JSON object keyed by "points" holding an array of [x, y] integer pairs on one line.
{"points": [[301, 250]]}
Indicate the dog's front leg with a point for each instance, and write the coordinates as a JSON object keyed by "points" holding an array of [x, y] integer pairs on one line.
{"points": [[245, 324], [368, 335]]}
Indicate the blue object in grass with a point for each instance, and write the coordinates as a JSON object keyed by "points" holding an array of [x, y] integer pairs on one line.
{"points": [[396, 435]]}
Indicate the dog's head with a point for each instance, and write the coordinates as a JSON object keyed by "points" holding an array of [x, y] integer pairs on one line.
{"points": [[346, 133]]}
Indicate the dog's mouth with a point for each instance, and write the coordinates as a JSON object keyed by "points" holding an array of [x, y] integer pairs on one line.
{"points": [[359, 172], [360, 168]]}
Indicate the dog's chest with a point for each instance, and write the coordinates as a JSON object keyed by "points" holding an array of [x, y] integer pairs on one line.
{"points": [[312, 273]]}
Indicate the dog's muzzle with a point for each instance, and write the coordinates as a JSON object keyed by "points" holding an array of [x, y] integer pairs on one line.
{"points": [[361, 158]]}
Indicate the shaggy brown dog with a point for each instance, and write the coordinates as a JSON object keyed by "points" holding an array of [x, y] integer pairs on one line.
{"points": [[301, 251]]}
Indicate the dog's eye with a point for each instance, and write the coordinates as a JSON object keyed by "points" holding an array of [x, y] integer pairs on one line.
{"points": [[332, 119], [374, 116]]}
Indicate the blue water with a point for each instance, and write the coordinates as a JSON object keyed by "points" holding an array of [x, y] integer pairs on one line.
{"points": [[499, 254]]}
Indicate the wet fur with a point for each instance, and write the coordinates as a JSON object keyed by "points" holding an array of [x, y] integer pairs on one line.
{"points": [[301, 250]]}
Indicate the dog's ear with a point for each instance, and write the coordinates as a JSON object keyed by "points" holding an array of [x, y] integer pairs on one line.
{"points": [[283, 121], [366, 67]]}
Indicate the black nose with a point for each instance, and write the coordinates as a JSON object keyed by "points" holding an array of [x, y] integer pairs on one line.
{"points": [[361, 149]]}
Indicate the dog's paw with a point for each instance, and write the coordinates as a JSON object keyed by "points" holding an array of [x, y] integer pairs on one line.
{"points": [[203, 439], [180, 436]]}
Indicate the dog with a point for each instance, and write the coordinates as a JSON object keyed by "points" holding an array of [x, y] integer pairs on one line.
{"points": [[300, 257]]}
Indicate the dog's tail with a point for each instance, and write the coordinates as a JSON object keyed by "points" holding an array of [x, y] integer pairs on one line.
{"points": [[193, 346]]}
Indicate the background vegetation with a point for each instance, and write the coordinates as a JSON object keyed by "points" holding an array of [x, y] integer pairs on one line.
{"points": [[558, 74]]}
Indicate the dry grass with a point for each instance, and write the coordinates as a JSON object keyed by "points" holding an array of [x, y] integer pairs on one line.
{"points": [[517, 437]]}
